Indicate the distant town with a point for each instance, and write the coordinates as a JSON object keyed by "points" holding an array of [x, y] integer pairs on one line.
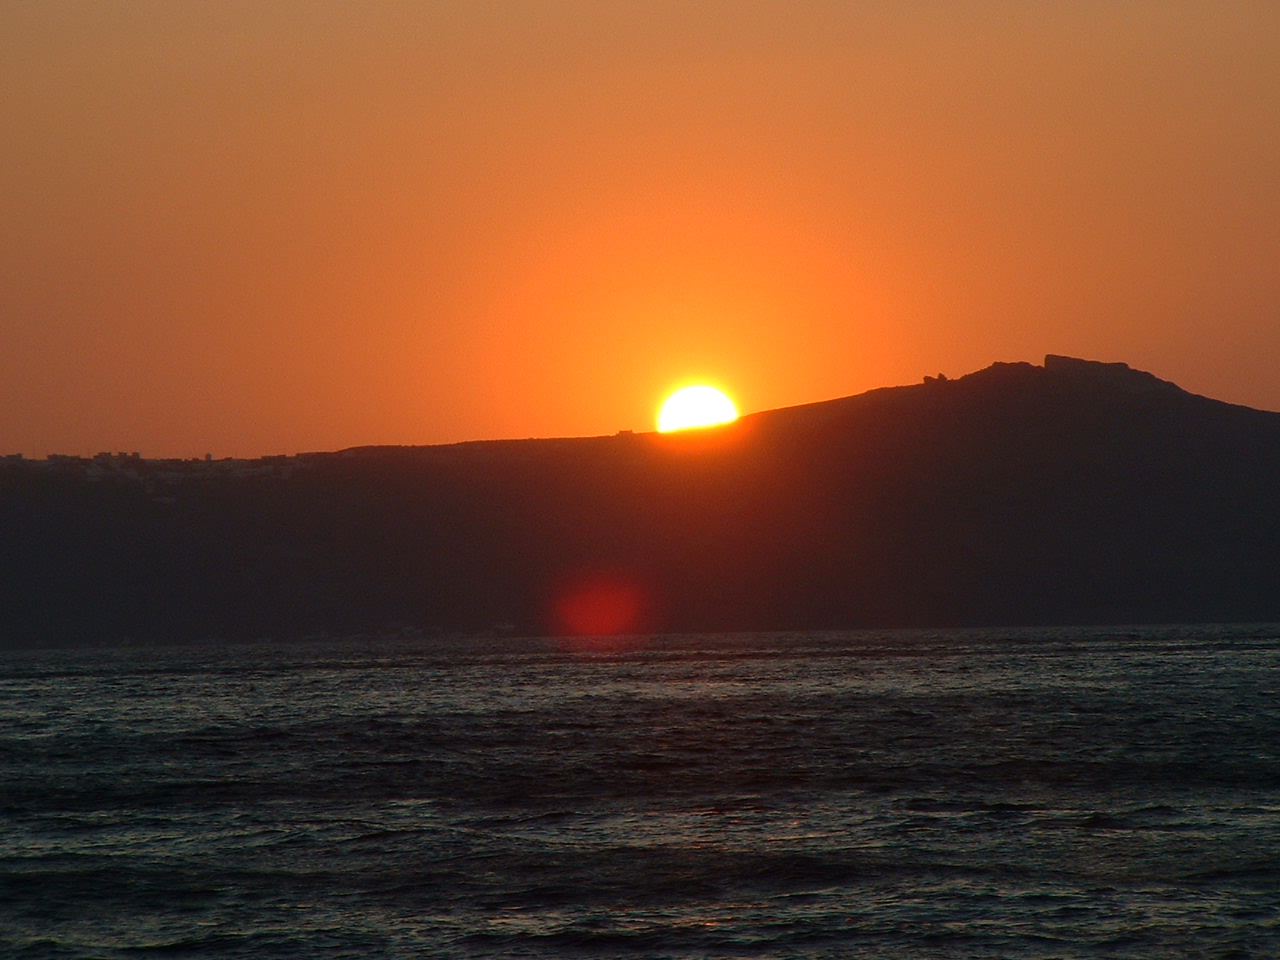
{"points": [[134, 467]]}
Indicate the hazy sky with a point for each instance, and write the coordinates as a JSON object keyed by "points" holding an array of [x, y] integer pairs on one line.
{"points": [[248, 228]]}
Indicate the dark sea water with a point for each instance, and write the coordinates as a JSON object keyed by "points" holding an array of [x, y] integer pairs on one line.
{"points": [[1105, 793]]}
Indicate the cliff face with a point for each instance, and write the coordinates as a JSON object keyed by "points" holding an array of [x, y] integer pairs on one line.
{"points": [[1073, 492]]}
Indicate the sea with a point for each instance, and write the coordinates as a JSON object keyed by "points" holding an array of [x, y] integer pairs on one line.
{"points": [[1050, 793]]}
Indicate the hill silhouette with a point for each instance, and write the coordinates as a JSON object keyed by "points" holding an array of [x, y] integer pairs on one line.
{"points": [[1075, 492]]}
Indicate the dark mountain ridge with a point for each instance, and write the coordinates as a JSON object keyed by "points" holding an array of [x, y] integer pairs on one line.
{"points": [[1071, 493]]}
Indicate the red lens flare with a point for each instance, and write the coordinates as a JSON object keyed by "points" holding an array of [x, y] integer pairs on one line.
{"points": [[597, 609]]}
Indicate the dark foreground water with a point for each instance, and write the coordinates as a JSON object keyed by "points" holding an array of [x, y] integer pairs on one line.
{"points": [[969, 795]]}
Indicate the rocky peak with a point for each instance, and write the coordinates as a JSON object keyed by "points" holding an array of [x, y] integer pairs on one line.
{"points": [[1113, 375]]}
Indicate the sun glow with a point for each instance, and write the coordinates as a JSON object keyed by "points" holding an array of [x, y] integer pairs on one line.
{"points": [[697, 406]]}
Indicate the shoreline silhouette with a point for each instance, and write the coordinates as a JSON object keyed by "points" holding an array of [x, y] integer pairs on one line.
{"points": [[1076, 492]]}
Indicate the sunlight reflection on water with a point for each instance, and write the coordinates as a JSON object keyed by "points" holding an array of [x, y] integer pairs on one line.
{"points": [[966, 794]]}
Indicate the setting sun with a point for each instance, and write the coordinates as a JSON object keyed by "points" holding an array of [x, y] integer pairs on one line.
{"points": [[697, 406]]}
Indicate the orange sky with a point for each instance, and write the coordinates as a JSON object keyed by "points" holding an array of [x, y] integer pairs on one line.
{"points": [[248, 228]]}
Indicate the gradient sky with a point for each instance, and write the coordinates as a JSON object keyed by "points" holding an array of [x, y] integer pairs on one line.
{"points": [[247, 228]]}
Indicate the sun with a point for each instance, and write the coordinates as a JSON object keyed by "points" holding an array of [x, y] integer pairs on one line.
{"points": [[697, 406]]}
